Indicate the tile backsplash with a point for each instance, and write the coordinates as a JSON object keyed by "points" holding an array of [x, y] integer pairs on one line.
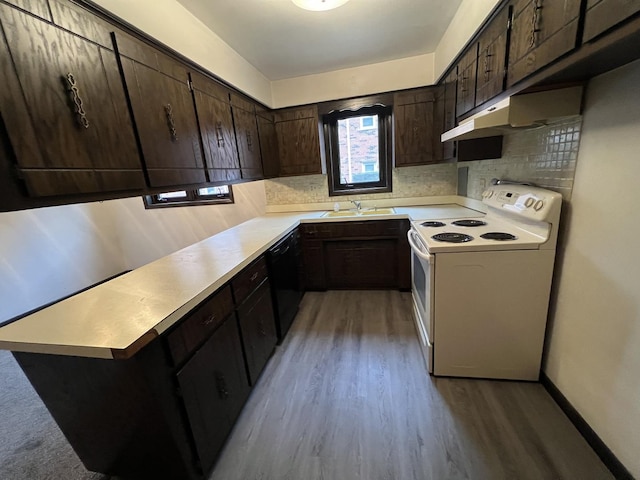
{"points": [[407, 182], [545, 156]]}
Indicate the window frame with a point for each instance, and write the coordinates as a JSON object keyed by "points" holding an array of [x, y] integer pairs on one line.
{"points": [[330, 124], [193, 198]]}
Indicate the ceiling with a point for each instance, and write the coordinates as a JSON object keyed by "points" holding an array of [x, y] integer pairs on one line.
{"points": [[284, 41]]}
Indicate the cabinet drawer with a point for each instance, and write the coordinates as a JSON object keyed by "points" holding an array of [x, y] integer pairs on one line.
{"points": [[248, 280], [196, 327]]}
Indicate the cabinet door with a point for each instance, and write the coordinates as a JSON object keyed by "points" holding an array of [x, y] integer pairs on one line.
{"points": [[413, 115], [164, 114], [216, 128], [39, 8], [268, 147], [299, 141], [313, 265], [214, 388], [65, 111], [244, 119], [601, 15], [258, 328], [467, 71], [492, 56], [542, 31], [362, 263], [450, 93]]}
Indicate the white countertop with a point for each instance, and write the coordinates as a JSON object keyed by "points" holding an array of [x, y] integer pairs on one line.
{"points": [[117, 318]]}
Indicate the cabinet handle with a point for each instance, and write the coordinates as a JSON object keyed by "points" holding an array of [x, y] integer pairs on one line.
{"points": [[253, 277], [170, 123], [81, 115], [487, 70], [249, 142], [209, 320], [535, 20], [219, 134], [222, 386]]}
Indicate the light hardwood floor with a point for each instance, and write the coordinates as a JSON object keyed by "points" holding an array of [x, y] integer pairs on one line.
{"points": [[347, 397]]}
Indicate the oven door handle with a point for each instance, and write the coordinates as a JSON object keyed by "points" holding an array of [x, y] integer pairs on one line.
{"points": [[414, 246]]}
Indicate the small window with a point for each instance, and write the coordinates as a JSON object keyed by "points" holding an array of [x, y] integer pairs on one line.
{"points": [[359, 150], [184, 198]]}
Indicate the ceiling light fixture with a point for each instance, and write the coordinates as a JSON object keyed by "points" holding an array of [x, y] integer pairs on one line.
{"points": [[319, 5]]}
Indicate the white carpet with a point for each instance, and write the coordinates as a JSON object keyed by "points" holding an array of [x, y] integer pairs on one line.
{"points": [[31, 444]]}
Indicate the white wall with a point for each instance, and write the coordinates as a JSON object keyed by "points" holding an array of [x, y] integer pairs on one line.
{"points": [[48, 253], [172, 24], [466, 21], [352, 82], [593, 353]]}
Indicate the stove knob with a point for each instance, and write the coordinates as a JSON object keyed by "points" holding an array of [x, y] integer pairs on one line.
{"points": [[538, 206], [528, 202]]}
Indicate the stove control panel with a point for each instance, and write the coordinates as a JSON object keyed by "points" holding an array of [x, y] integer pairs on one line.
{"points": [[525, 201]]}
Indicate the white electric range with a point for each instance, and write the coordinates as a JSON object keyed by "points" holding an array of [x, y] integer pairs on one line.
{"points": [[481, 285]]}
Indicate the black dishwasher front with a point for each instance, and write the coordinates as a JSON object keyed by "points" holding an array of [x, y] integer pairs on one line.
{"points": [[284, 260]]}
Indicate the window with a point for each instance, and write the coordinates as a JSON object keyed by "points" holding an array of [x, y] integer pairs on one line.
{"points": [[183, 198], [367, 123], [359, 149]]}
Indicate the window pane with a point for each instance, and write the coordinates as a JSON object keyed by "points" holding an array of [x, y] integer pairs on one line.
{"points": [[169, 195], [222, 190], [358, 148]]}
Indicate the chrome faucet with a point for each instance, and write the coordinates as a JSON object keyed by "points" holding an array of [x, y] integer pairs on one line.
{"points": [[358, 205]]}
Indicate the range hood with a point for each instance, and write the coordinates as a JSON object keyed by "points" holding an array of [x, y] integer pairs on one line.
{"points": [[518, 111]]}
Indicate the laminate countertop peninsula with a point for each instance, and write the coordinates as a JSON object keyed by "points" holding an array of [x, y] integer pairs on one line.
{"points": [[117, 318]]}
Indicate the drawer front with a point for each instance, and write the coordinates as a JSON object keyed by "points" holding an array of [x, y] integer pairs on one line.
{"points": [[197, 326], [248, 280]]}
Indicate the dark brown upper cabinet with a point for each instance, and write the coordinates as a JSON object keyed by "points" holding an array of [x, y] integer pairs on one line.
{"points": [[492, 56], [64, 108], [268, 143], [450, 94], [414, 129], [164, 114], [246, 127], [542, 31], [601, 15], [298, 131], [216, 127], [466, 83]]}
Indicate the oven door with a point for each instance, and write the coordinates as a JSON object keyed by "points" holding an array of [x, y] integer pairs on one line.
{"points": [[422, 289]]}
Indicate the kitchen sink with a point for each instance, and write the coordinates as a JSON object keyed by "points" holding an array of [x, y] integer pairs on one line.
{"points": [[379, 211], [353, 213]]}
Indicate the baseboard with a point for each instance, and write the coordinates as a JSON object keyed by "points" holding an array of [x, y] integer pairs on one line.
{"points": [[606, 455]]}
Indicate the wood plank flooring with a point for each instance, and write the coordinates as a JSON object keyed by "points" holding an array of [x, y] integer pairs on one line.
{"points": [[347, 397]]}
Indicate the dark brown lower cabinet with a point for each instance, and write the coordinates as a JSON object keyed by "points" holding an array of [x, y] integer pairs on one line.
{"points": [[362, 263], [214, 388], [165, 412], [258, 329], [356, 255]]}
